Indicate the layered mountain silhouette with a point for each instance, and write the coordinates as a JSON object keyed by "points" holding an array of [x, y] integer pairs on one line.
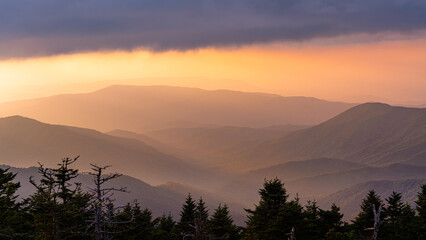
{"points": [[142, 108], [24, 142], [327, 183], [211, 145], [151, 142], [244, 184], [178, 140], [371, 133], [301, 169], [315, 182]]}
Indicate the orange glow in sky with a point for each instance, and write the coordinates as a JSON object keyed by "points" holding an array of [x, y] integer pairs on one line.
{"points": [[385, 70]]}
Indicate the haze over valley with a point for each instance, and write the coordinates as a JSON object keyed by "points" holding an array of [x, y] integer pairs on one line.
{"points": [[225, 154], [208, 120]]}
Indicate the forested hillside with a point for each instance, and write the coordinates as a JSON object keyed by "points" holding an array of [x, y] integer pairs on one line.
{"points": [[61, 209]]}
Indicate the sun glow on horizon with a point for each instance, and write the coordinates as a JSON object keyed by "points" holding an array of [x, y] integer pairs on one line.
{"points": [[392, 70]]}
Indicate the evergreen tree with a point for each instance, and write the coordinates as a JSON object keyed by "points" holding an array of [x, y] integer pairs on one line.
{"points": [[263, 221], [311, 228], [393, 211], [365, 218], [187, 216], [291, 216], [12, 221], [123, 215], [201, 221], [400, 220], [222, 225], [44, 211], [133, 223], [58, 205], [393, 208], [201, 210], [406, 224], [143, 224], [165, 228], [330, 221], [421, 211]]}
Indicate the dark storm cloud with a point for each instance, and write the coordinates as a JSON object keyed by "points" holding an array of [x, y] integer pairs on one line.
{"points": [[47, 27]]}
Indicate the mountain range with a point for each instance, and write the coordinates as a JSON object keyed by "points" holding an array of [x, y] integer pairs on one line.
{"points": [[171, 141], [371, 133], [210, 145], [143, 108], [24, 142]]}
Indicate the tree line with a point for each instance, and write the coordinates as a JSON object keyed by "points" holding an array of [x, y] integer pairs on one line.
{"points": [[61, 209]]}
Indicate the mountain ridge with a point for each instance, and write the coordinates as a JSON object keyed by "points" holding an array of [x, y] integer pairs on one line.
{"points": [[143, 108], [371, 133], [24, 142]]}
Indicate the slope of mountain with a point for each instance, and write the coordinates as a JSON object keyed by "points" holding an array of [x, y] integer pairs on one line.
{"points": [[163, 199], [212, 144], [314, 187], [300, 169], [324, 184], [138, 108], [162, 147], [24, 142], [370, 133], [349, 200]]}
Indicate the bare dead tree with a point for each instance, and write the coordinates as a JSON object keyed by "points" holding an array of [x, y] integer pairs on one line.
{"points": [[104, 212], [377, 221], [291, 235]]}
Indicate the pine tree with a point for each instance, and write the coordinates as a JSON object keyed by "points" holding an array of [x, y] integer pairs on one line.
{"points": [[165, 228], [201, 221], [365, 218], [393, 211], [10, 216], [330, 220], [222, 225], [311, 222], [291, 216], [58, 205], [125, 214], [187, 216], [143, 224], [201, 210], [393, 208], [406, 224], [139, 224], [421, 211], [262, 221]]}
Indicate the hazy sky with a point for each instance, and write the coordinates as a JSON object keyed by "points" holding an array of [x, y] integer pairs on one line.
{"points": [[338, 50]]}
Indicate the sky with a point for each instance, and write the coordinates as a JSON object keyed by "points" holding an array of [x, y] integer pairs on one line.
{"points": [[337, 50]]}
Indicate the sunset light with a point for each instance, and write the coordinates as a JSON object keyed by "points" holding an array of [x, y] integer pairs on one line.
{"points": [[213, 119]]}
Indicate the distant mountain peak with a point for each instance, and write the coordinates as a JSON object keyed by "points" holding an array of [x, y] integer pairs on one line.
{"points": [[18, 119]]}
